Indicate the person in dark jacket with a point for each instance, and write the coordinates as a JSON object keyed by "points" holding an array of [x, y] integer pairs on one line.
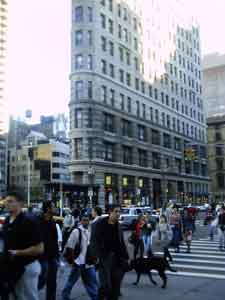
{"points": [[49, 260], [112, 254]]}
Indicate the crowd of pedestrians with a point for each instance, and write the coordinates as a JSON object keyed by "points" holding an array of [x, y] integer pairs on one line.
{"points": [[93, 246]]}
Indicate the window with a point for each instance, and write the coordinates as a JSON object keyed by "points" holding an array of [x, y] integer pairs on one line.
{"points": [[150, 90], [55, 176], [156, 160], [108, 123], [122, 104], [103, 94], [111, 71], [121, 53], [136, 64], [143, 111], [156, 94], [90, 14], [166, 140], [78, 147], [119, 31], [167, 100], [103, 66], [219, 163], [135, 44], [103, 21], [128, 78], [218, 136], [137, 84], [142, 158], [168, 121], [119, 10], [129, 104], [78, 37], [79, 89], [141, 133], [155, 137], [177, 144], [109, 151], [163, 119], [89, 62], [102, 2], [137, 108], [89, 37], [178, 164], [112, 97], [220, 181], [78, 14], [110, 26], [111, 48], [157, 116], [121, 75], [151, 114], [103, 43], [110, 5], [79, 118], [125, 33], [219, 150], [90, 92], [128, 58], [126, 128], [162, 97], [79, 62], [127, 155]]}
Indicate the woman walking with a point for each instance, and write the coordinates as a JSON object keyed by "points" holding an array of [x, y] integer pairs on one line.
{"points": [[164, 235], [176, 225], [137, 234], [188, 228]]}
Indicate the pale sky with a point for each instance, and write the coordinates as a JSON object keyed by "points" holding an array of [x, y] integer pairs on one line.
{"points": [[38, 58]]}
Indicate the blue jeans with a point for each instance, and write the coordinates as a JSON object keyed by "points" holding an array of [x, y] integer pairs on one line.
{"points": [[89, 278], [147, 244], [48, 277]]}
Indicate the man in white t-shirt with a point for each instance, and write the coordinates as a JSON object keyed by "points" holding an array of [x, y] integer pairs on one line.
{"points": [[79, 267]]}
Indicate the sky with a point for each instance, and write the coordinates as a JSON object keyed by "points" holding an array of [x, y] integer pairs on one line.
{"points": [[38, 57]]}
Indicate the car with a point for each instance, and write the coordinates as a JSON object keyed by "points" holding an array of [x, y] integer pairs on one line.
{"points": [[126, 221], [132, 211]]}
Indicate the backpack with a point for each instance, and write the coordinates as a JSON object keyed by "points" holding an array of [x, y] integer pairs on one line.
{"points": [[71, 254]]}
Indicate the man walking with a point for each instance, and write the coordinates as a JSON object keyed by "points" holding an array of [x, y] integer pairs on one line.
{"points": [[23, 244], [49, 259], [112, 254], [79, 267]]}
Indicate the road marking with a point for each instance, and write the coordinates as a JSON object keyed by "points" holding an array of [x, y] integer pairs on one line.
{"points": [[203, 268], [201, 261]]}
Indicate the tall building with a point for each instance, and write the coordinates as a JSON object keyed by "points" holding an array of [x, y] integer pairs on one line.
{"points": [[137, 125], [3, 157], [216, 152], [214, 84]]}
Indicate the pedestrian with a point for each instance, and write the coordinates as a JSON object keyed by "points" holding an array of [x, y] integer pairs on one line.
{"points": [[176, 226], [79, 266], [112, 254], [96, 214], [146, 233], [188, 228], [164, 236], [138, 241], [221, 228], [50, 258], [23, 244], [68, 225]]}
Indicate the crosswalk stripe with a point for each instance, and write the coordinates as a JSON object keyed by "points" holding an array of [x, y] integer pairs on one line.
{"points": [[199, 261], [204, 261]]}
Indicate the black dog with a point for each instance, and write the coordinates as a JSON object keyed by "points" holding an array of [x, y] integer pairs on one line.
{"points": [[145, 265]]}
